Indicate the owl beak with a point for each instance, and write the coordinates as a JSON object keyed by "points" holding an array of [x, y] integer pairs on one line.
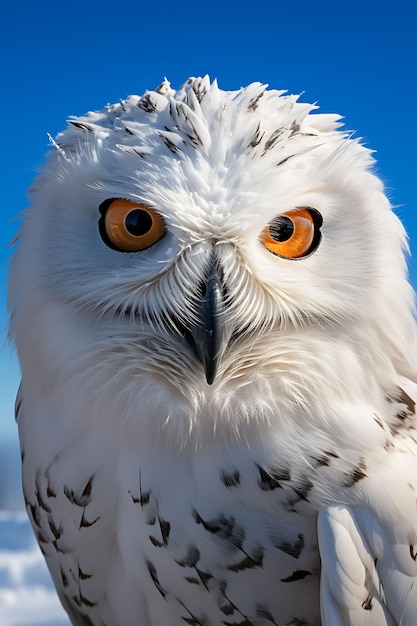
{"points": [[209, 337]]}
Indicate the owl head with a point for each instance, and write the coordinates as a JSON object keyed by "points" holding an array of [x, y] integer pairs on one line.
{"points": [[213, 246]]}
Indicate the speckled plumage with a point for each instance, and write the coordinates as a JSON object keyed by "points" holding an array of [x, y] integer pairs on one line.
{"points": [[283, 492]]}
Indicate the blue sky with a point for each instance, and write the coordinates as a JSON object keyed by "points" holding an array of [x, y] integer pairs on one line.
{"points": [[358, 59]]}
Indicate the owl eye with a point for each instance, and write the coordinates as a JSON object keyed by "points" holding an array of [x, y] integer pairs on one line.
{"points": [[294, 234], [129, 226]]}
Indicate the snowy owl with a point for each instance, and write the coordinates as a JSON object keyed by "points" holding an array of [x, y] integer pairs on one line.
{"points": [[217, 410]]}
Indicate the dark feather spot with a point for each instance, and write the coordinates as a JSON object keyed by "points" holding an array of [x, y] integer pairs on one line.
{"points": [[81, 125], [257, 138], [270, 143], [303, 490], [378, 421], [165, 530], [231, 480], [356, 475], [146, 104], [86, 602], [284, 160], [227, 609], [82, 575], [293, 549], [17, 408], [35, 514], [50, 493], [367, 604], [156, 543], [64, 579], [85, 497], [192, 558], [40, 499], [404, 398], [254, 102], [85, 523], [211, 527], [267, 482], [169, 144], [413, 553], [154, 576], [249, 561], [263, 612], [299, 574], [57, 532]]}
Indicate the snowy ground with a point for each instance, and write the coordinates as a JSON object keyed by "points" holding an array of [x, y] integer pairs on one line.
{"points": [[27, 596]]}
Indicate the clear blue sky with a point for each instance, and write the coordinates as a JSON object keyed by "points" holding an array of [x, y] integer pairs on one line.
{"points": [[357, 58]]}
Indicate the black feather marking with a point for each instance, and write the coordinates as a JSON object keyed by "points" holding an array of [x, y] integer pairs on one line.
{"points": [[378, 421], [231, 480], [154, 576], [299, 574], [271, 480], [84, 523], [146, 104], [144, 496], [270, 143], [322, 460], [249, 561], [284, 160], [165, 530], [169, 144], [192, 558], [82, 125], [211, 527], [413, 553], [367, 604], [156, 542], [192, 619], [356, 475], [82, 575], [64, 578], [57, 532], [254, 102], [50, 492], [85, 497], [293, 549], [332, 454], [257, 137], [86, 602], [17, 408], [40, 499], [404, 398], [227, 609], [34, 510], [192, 580], [263, 612], [304, 489]]}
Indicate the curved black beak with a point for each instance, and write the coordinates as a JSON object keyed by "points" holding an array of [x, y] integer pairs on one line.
{"points": [[209, 337]]}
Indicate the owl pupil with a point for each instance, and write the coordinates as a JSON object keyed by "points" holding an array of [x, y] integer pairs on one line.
{"points": [[138, 222], [281, 229]]}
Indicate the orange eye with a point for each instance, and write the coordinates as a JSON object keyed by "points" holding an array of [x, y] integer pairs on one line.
{"points": [[130, 226], [294, 234]]}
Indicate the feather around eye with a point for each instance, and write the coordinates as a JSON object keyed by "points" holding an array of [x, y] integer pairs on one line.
{"points": [[293, 235], [129, 226]]}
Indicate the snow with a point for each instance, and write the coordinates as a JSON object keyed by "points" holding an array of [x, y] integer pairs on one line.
{"points": [[27, 595]]}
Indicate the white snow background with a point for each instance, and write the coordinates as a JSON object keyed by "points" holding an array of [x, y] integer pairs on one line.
{"points": [[27, 595]]}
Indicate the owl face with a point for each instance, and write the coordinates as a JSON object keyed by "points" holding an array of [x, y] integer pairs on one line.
{"points": [[216, 230]]}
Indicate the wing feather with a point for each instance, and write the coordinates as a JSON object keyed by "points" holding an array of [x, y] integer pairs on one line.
{"points": [[365, 578]]}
